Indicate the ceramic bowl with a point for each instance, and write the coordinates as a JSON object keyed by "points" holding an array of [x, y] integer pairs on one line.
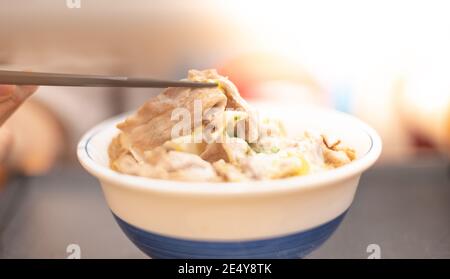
{"points": [[285, 218]]}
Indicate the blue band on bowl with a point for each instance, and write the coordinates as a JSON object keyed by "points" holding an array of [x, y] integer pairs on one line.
{"points": [[295, 245]]}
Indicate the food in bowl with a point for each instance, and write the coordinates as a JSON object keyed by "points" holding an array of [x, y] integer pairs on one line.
{"points": [[214, 135]]}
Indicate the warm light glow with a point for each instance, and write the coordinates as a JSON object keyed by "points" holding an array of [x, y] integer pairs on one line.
{"points": [[341, 39]]}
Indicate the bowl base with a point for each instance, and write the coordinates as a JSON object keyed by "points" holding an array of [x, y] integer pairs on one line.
{"points": [[291, 246]]}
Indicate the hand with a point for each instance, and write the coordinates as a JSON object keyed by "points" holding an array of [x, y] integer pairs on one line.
{"points": [[32, 140], [5, 143], [11, 97]]}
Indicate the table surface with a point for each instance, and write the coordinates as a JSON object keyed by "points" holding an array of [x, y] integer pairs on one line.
{"points": [[403, 208]]}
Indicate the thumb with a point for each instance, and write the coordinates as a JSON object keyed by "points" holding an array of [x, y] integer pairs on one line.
{"points": [[11, 97], [25, 91]]}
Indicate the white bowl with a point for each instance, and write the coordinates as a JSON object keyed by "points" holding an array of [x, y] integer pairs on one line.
{"points": [[277, 218]]}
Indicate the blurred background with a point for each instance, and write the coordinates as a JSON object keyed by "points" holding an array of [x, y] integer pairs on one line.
{"points": [[387, 62]]}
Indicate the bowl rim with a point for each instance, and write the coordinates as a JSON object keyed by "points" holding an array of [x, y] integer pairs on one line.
{"points": [[311, 181]]}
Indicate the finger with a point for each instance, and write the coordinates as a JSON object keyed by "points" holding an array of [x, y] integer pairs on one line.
{"points": [[6, 91], [16, 93], [25, 91], [11, 97]]}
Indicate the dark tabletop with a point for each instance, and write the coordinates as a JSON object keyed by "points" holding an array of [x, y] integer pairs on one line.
{"points": [[403, 208]]}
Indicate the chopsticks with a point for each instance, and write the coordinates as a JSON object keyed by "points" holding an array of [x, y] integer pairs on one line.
{"points": [[58, 79]]}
